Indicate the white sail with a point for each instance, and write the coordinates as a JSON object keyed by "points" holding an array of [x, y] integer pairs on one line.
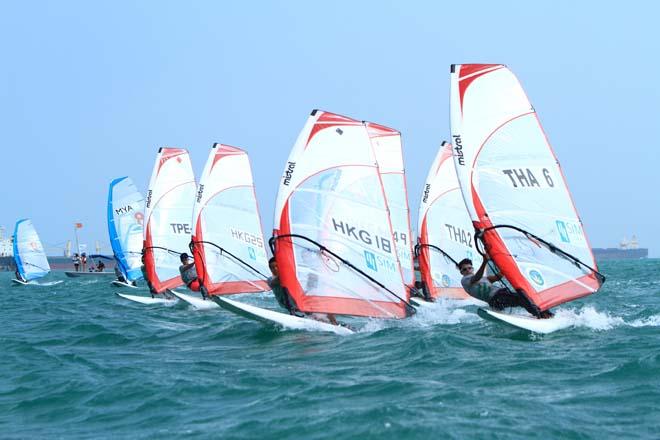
{"points": [[29, 254], [333, 237], [168, 215], [514, 188], [386, 143], [446, 234], [228, 242]]}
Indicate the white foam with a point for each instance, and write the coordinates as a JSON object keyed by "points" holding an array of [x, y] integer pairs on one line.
{"points": [[374, 325], [444, 312], [449, 312], [651, 321], [590, 318], [47, 284]]}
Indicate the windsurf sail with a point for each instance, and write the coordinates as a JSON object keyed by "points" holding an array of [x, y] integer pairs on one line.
{"points": [[29, 254], [168, 214], [446, 234], [227, 242], [514, 189], [333, 238], [386, 143], [125, 226]]}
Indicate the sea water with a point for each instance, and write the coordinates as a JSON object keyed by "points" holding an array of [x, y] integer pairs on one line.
{"points": [[79, 362]]}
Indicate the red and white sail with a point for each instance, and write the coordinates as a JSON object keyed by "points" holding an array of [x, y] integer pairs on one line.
{"points": [[228, 242], [446, 234], [331, 195], [386, 143], [510, 176], [168, 214]]}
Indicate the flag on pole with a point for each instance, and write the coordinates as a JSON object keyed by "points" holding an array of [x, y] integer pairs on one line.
{"points": [[78, 225]]}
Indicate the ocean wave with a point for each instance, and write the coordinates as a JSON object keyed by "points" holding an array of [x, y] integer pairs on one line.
{"points": [[651, 321]]}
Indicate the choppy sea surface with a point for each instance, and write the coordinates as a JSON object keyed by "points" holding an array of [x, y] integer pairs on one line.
{"points": [[77, 361]]}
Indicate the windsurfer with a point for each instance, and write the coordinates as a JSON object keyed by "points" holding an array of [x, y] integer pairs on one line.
{"points": [[480, 286], [19, 277], [152, 291], [189, 273], [118, 274], [285, 300]]}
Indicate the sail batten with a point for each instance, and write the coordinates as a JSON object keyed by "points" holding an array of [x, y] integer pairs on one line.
{"points": [[509, 175], [168, 216], [228, 243], [331, 203]]}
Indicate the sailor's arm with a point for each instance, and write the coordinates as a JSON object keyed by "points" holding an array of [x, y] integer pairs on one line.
{"points": [[480, 272]]}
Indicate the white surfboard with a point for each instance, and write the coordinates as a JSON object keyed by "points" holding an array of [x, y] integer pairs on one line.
{"points": [[529, 323], [118, 283], [196, 302], [36, 283], [147, 299], [277, 318], [458, 302], [19, 282]]}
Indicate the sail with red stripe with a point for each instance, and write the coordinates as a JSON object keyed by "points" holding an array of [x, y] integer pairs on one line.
{"points": [[446, 234], [168, 214], [333, 238], [228, 242], [514, 188], [386, 143]]}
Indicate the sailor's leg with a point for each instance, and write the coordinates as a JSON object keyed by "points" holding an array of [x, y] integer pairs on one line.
{"points": [[503, 299], [525, 303]]}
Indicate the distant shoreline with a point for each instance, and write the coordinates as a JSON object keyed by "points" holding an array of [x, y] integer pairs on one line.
{"points": [[57, 263]]}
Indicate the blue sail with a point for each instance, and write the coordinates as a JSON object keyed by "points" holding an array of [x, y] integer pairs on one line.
{"points": [[125, 218], [29, 255]]}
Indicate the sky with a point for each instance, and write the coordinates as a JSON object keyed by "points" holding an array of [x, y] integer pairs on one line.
{"points": [[90, 90]]}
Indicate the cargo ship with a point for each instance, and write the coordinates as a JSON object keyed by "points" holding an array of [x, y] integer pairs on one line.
{"points": [[6, 244], [627, 250]]}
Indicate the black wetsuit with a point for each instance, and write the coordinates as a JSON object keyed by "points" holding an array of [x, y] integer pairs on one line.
{"points": [[282, 296]]}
